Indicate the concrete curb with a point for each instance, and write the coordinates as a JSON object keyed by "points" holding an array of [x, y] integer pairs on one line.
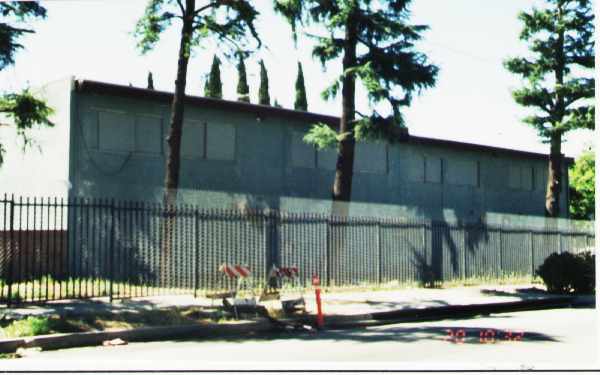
{"points": [[71, 340], [445, 312]]}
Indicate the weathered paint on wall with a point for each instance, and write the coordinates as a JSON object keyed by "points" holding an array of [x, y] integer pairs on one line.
{"points": [[261, 162]]}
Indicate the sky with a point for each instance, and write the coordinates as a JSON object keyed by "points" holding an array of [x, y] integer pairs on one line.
{"points": [[467, 39]]}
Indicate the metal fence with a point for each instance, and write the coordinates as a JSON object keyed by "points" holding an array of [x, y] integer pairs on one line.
{"points": [[54, 249]]}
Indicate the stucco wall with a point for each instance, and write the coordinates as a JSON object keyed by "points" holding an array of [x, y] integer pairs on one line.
{"points": [[43, 169], [235, 160]]}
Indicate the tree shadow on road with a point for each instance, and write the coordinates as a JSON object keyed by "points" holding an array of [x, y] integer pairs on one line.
{"points": [[450, 334]]}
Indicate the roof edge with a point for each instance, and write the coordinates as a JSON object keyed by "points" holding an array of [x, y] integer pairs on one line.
{"points": [[89, 86]]}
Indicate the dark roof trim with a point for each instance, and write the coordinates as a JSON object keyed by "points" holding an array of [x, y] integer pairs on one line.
{"points": [[86, 86]]}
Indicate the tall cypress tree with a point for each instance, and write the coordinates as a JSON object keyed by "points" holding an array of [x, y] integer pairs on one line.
{"points": [[214, 86], [263, 92], [559, 81], [300, 103], [150, 81], [243, 90], [376, 45]]}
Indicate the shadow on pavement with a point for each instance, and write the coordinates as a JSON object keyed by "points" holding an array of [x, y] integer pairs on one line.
{"points": [[450, 334]]}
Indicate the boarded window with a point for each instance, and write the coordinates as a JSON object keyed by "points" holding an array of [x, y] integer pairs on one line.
{"points": [[220, 141], [514, 177], [433, 170], [116, 131], [303, 155], [527, 178], [370, 157], [192, 140], [148, 134], [416, 169], [89, 128], [327, 159], [462, 172]]}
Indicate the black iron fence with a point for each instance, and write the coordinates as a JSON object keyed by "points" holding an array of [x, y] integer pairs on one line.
{"points": [[54, 249]]}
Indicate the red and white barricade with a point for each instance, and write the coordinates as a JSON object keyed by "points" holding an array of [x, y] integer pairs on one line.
{"points": [[235, 271]]}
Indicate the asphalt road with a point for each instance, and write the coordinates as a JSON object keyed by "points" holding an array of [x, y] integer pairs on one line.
{"points": [[547, 339]]}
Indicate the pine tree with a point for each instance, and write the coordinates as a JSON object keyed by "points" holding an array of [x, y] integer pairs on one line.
{"points": [[243, 90], [376, 45], [214, 86], [150, 81], [300, 103], [276, 104], [263, 92], [559, 78]]}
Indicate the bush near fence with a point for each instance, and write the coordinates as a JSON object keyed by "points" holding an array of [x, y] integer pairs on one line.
{"points": [[154, 249]]}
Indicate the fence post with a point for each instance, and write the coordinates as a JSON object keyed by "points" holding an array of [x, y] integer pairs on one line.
{"points": [[111, 250], [531, 244], [501, 250], [12, 250], [379, 251], [196, 249], [328, 249]]}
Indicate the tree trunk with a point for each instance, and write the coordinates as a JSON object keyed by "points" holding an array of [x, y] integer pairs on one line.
{"points": [[174, 143], [177, 106], [553, 189], [342, 185]]}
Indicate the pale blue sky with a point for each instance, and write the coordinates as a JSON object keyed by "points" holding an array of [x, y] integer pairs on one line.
{"points": [[468, 40]]}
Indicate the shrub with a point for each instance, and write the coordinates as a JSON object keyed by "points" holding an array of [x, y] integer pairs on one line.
{"points": [[568, 273]]}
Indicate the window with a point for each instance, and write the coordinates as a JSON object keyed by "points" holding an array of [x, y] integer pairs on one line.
{"points": [[192, 139], [527, 178], [89, 128], [462, 172], [416, 169], [371, 157], [116, 131], [303, 155], [148, 134], [433, 170], [327, 159], [220, 141], [521, 178]]}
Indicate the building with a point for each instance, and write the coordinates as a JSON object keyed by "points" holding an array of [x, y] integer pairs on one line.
{"points": [[109, 141]]}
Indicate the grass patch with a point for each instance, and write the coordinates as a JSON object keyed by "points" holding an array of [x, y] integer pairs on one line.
{"points": [[32, 326], [105, 321]]}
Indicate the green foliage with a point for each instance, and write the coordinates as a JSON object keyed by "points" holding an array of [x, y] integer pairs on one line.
{"points": [[300, 104], [582, 179], [558, 81], [214, 86], [15, 13], [23, 108], [387, 64], [26, 111], [322, 136], [243, 90], [568, 273], [32, 326], [263, 92], [228, 22]]}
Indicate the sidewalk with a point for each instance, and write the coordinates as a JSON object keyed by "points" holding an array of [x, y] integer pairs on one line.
{"points": [[342, 309], [334, 303]]}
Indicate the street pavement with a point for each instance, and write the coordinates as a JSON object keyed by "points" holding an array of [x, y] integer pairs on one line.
{"points": [[547, 339]]}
